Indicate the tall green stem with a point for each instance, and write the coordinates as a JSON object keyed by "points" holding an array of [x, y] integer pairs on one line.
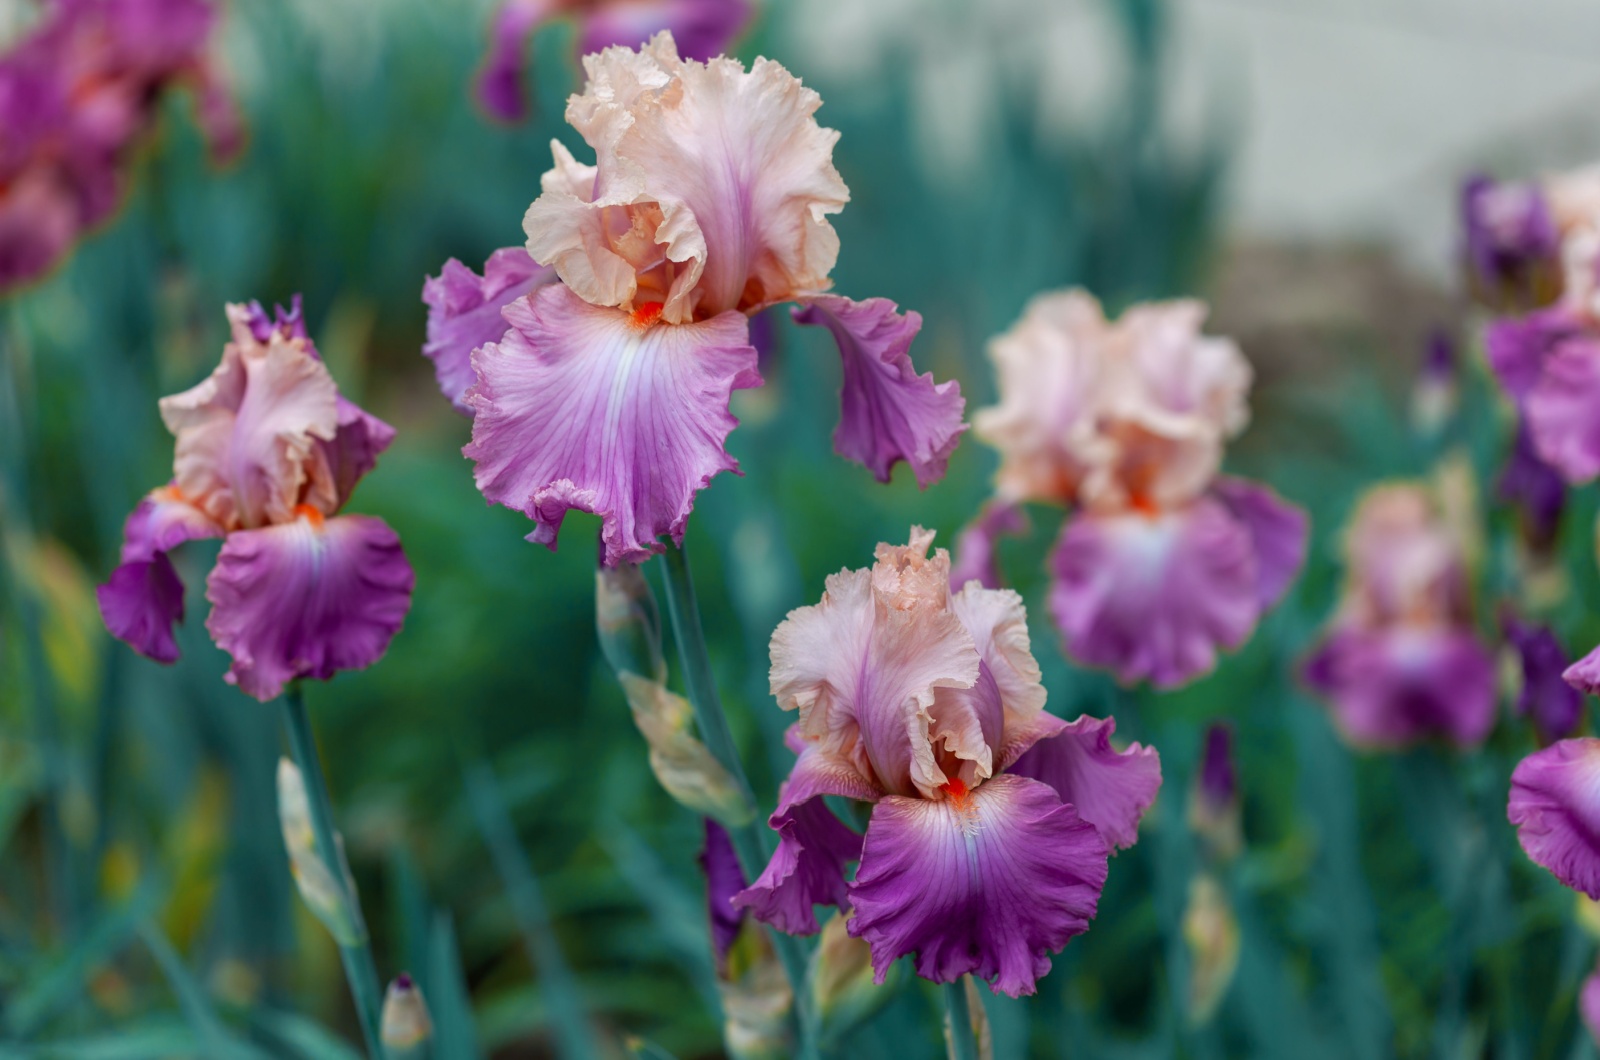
{"points": [[684, 612], [359, 968], [958, 1022]]}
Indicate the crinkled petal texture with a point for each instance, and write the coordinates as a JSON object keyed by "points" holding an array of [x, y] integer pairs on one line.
{"points": [[1153, 597], [989, 884], [581, 406], [710, 192], [889, 413], [464, 313], [1393, 687], [247, 435], [1562, 410], [143, 599], [1555, 804], [306, 599], [1110, 789]]}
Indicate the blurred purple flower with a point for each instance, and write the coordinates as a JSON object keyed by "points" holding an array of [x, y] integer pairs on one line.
{"points": [[1434, 393], [991, 821], [1511, 246], [975, 548], [724, 879], [267, 454], [1536, 488], [1547, 700], [608, 391], [76, 93], [1549, 362], [1214, 811], [702, 28]]}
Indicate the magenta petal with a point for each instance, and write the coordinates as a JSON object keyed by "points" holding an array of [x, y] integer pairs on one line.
{"points": [[464, 313], [1561, 410], [500, 85], [1390, 688], [807, 869], [358, 439], [975, 548], [306, 599], [1278, 532], [143, 598], [579, 407], [1110, 789], [990, 885], [1517, 346], [889, 413], [1584, 675], [1152, 597], [702, 29], [724, 880], [1555, 804]]}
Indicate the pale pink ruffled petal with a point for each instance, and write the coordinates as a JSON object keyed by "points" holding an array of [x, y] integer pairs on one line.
{"points": [[976, 547], [306, 599], [1110, 789], [712, 184], [1555, 804], [1278, 531], [889, 413], [862, 668], [143, 598], [998, 623], [246, 435], [580, 406], [464, 313], [990, 884], [1154, 597], [807, 869]]}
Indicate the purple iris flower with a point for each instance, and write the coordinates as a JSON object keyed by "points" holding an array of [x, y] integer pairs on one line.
{"points": [[1553, 706], [991, 822], [268, 452]]}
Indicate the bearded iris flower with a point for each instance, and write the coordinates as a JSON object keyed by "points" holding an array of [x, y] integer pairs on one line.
{"points": [[75, 95], [268, 452], [1401, 661], [607, 388], [1162, 560], [991, 820]]}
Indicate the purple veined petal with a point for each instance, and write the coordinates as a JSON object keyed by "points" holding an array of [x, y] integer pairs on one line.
{"points": [[724, 880], [1394, 687], [976, 547], [889, 412], [1517, 347], [1555, 804], [1553, 706], [1561, 410], [989, 883], [143, 598], [307, 599], [1278, 532], [501, 83], [1534, 486], [1110, 789], [1153, 597], [580, 406], [703, 29], [807, 869], [464, 313]]}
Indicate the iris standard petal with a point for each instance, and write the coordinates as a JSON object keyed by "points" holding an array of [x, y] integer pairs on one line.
{"points": [[990, 883], [585, 407], [888, 412], [307, 598]]}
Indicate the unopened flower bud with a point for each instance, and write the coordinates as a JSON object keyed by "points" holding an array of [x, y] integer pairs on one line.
{"points": [[330, 898], [1543, 696], [406, 1027], [684, 766], [628, 621], [1211, 932], [843, 995], [1214, 800], [1434, 393]]}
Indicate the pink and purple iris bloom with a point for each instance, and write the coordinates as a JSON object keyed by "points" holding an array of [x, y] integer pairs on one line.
{"points": [[268, 452], [1162, 560], [702, 28], [75, 95], [991, 821], [1401, 661], [598, 363]]}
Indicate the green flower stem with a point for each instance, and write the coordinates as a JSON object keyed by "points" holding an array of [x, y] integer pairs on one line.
{"points": [[958, 1020], [359, 967], [748, 844]]}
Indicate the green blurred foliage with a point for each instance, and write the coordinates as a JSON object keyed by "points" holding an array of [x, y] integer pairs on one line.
{"points": [[145, 904]]}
